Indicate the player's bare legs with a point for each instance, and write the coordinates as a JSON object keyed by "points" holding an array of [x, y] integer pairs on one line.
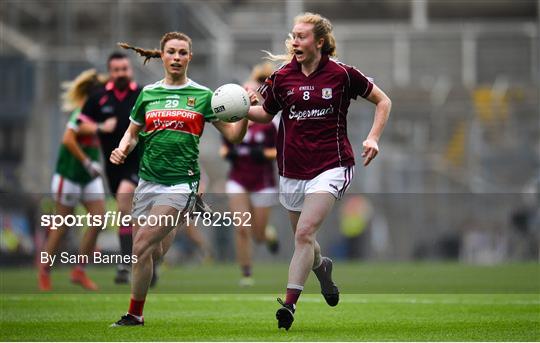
{"points": [[316, 208], [124, 196], [166, 243], [259, 221], [306, 252], [150, 243], [239, 203], [124, 200], [147, 245], [197, 237], [88, 244], [51, 247], [262, 233], [293, 217], [55, 236]]}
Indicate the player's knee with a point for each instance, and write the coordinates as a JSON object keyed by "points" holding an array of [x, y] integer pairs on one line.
{"points": [[145, 251], [139, 248], [304, 235], [142, 244]]}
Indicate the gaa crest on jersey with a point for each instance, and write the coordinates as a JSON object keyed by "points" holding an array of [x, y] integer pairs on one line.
{"points": [[191, 101], [327, 93]]}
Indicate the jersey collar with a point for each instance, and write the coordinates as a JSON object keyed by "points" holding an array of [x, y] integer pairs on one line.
{"points": [[175, 87]]}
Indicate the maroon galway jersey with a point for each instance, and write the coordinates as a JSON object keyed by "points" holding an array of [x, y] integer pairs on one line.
{"points": [[252, 175], [312, 135]]}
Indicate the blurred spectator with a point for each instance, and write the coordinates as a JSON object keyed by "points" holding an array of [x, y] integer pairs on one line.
{"points": [[356, 217], [525, 218]]}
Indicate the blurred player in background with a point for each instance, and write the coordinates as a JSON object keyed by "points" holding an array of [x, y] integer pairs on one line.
{"points": [[251, 184], [111, 106], [77, 178], [193, 233], [172, 112], [315, 157]]}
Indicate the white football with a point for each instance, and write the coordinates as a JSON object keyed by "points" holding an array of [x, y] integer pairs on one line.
{"points": [[230, 102]]}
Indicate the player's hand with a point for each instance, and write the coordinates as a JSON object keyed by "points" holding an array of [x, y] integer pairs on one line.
{"points": [[253, 97], [117, 156], [371, 149], [93, 168], [108, 125]]}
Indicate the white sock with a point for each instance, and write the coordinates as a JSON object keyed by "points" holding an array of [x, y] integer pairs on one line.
{"points": [[294, 286]]}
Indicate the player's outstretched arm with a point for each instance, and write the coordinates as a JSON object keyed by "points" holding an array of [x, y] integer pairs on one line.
{"points": [[259, 115], [232, 132], [127, 144], [382, 112]]}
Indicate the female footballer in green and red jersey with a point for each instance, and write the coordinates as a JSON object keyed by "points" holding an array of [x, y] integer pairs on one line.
{"points": [[170, 116], [77, 178]]}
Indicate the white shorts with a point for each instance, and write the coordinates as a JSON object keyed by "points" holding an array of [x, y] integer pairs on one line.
{"points": [[334, 181], [70, 193], [149, 194], [266, 197]]}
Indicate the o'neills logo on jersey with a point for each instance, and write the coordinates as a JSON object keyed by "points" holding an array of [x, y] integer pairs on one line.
{"points": [[178, 120], [316, 113]]}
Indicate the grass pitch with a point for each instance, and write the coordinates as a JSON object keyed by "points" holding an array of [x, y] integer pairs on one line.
{"points": [[422, 302]]}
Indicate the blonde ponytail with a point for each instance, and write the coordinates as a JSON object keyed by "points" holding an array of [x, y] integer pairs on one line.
{"points": [[77, 91]]}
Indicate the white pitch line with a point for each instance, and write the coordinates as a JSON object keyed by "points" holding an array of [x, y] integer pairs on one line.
{"points": [[310, 298], [346, 300]]}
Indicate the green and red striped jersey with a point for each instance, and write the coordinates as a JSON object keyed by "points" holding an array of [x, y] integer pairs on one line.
{"points": [[70, 167], [173, 118]]}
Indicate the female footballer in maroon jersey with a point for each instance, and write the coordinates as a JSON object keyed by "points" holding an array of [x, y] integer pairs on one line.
{"points": [[315, 157], [251, 184]]}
